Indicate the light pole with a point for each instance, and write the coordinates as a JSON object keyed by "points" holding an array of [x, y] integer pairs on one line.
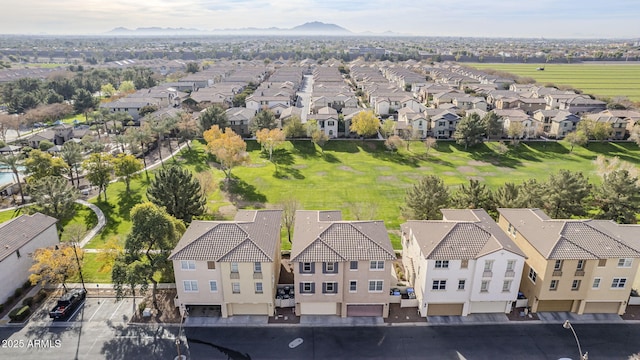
{"points": [[567, 325], [180, 355]]}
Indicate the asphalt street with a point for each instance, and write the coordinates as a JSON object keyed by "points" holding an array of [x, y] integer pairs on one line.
{"points": [[110, 340]]}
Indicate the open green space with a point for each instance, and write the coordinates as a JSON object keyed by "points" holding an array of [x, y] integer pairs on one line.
{"points": [[602, 80]]}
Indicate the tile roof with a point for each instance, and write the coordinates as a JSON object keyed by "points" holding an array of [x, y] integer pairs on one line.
{"points": [[254, 235], [17, 232], [464, 234], [323, 236], [572, 239]]}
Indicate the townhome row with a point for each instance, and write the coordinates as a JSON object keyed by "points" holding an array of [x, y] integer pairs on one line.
{"points": [[464, 264]]}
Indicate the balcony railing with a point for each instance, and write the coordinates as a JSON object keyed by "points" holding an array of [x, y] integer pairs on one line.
{"points": [[557, 273], [509, 273], [579, 273], [257, 275], [235, 275], [487, 273]]}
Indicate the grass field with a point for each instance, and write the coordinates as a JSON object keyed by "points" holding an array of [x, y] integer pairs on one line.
{"points": [[602, 80]]}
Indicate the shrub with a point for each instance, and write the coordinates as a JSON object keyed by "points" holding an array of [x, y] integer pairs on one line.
{"points": [[45, 145], [40, 296], [1, 307], [142, 306], [28, 301], [17, 293], [19, 314], [26, 285]]}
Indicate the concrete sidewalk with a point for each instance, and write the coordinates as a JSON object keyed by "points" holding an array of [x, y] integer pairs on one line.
{"points": [[560, 317]]}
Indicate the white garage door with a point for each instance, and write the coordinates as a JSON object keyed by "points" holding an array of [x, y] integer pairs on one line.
{"points": [[318, 309], [602, 307], [486, 307]]}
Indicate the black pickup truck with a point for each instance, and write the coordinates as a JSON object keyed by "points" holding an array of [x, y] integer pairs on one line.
{"points": [[68, 303]]}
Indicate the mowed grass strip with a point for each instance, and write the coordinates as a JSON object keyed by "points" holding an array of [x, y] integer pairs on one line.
{"points": [[604, 80]]}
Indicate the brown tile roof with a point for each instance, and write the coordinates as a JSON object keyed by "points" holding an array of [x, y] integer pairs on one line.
{"points": [[464, 234], [17, 232], [571, 239], [254, 235], [322, 236]]}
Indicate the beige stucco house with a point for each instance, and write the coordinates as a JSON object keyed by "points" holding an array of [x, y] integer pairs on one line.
{"points": [[579, 266], [341, 267], [232, 266]]}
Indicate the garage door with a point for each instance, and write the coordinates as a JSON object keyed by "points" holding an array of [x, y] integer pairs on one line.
{"points": [[602, 307], [365, 310], [444, 309], [486, 307], [318, 308], [250, 309], [555, 305]]}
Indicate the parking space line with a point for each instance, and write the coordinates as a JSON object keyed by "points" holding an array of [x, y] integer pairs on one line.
{"points": [[98, 309], [116, 310], [72, 316]]}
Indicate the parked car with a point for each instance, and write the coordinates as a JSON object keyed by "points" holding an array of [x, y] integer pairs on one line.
{"points": [[67, 304]]}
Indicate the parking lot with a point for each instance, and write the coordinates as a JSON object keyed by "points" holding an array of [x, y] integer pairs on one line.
{"points": [[93, 309]]}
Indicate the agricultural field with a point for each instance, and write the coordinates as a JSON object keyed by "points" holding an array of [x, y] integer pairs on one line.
{"points": [[601, 80]]}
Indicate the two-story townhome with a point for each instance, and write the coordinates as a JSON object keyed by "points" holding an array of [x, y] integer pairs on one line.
{"points": [[231, 266], [19, 238], [442, 123], [341, 267], [618, 124], [572, 265], [555, 123], [411, 120], [461, 265], [239, 119]]}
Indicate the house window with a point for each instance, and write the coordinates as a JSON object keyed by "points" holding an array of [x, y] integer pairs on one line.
{"points": [[329, 268], [532, 275], [554, 285], [187, 265], [618, 283], [306, 268], [353, 286], [330, 123], [211, 265], [461, 284], [484, 286], [558, 265], [506, 286], [580, 266], [439, 285], [353, 265], [596, 283], [190, 285], [602, 262], [442, 264], [464, 264], [257, 267], [376, 265], [488, 265], [375, 285], [330, 288], [575, 285], [307, 287], [234, 267], [213, 286], [625, 263], [258, 288], [511, 265]]}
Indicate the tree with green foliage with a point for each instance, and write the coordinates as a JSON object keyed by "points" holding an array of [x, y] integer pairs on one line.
{"points": [[294, 128], [193, 67], [595, 130], [107, 90], [388, 128], [154, 234], [213, 115], [84, 102], [531, 194], [54, 197], [127, 87], [507, 196], [71, 153], [264, 119], [45, 145], [365, 124], [320, 138], [424, 199], [178, 192], [492, 125], [126, 166], [565, 194], [143, 137], [99, 168], [41, 164], [515, 131], [576, 138], [618, 198], [13, 162], [473, 196], [469, 131]]}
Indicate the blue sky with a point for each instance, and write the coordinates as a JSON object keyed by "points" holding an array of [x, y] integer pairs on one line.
{"points": [[480, 18]]}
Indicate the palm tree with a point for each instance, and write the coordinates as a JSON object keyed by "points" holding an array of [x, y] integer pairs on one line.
{"points": [[187, 127], [158, 128], [143, 137], [12, 162], [99, 117], [72, 155]]}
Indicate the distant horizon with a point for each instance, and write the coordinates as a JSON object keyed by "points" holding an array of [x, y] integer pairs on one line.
{"points": [[549, 19]]}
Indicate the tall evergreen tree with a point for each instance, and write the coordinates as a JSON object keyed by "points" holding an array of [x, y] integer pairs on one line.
{"points": [[470, 131], [618, 198], [53, 196], [565, 193], [264, 119], [473, 196], [178, 192], [213, 115], [424, 199]]}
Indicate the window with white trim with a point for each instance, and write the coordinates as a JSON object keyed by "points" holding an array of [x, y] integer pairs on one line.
{"points": [[187, 265], [511, 265], [461, 284], [484, 286], [375, 285], [439, 285], [558, 265], [307, 288], [190, 285], [442, 264], [488, 265], [506, 285], [532, 275], [235, 288], [575, 285], [234, 267], [553, 285], [580, 266], [625, 263], [618, 283], [596, 283], [213, 286], [257, 267], [307, 268], [330, 288], [258, 288], [353, 265], [353, 286], [376, 265]]}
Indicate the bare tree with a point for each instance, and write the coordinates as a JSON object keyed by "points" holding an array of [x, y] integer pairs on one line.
{"points": [[289, 207]]}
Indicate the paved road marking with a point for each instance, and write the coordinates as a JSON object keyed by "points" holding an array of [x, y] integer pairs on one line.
{"points": [[295, 343], [95, 312], [116, 310]]}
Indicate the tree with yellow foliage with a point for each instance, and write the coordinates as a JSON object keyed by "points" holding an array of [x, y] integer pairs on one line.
{"points": [[270, 140], [54, 265], [228, 147], [365, 124]]}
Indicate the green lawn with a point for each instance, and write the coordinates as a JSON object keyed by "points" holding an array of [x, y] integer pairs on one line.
{"points": [[604, 80], [10, 214]]}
